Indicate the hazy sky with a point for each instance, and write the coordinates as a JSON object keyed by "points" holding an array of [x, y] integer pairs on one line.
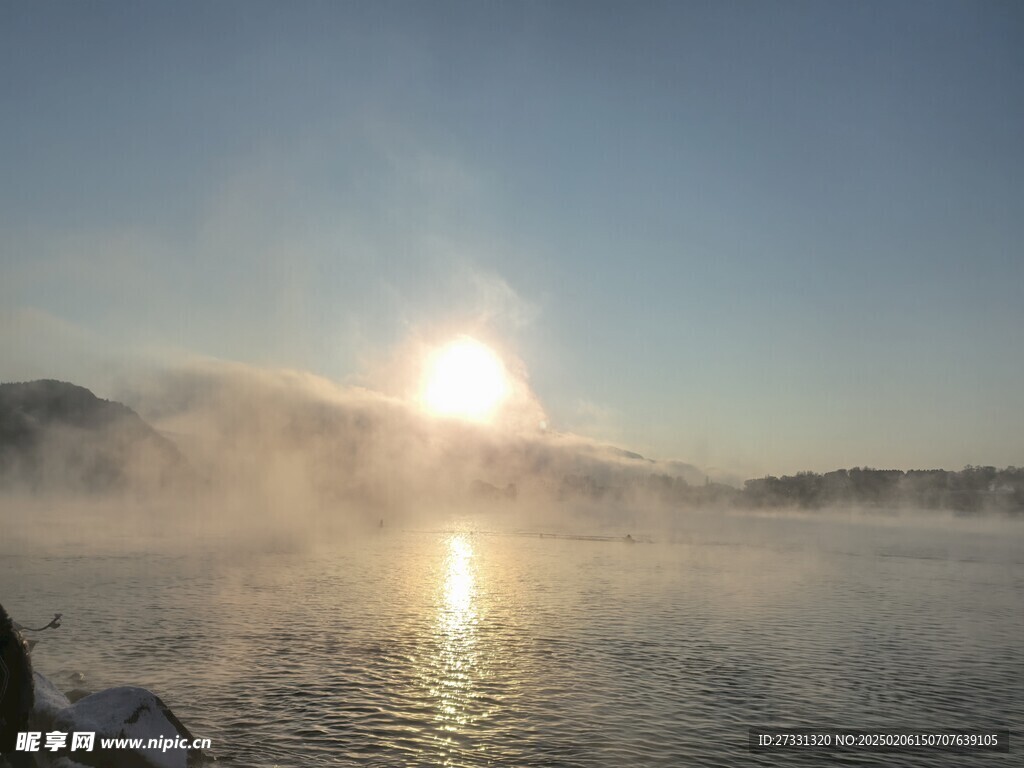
{"points": [[770, 236]]}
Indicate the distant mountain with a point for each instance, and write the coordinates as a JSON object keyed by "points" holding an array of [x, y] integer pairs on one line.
{"points": [[59, 436]]}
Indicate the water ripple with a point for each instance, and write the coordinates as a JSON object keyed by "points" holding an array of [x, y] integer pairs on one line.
{"points": [[464, 650]]}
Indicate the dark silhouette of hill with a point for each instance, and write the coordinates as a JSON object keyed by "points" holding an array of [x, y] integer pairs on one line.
{"points": [[59, 436]]}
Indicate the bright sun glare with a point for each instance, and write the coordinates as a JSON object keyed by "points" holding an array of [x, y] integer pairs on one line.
{"points": [[465, 379]]}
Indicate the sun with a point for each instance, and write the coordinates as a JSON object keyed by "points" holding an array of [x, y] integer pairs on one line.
{"points": [[465, 379]]}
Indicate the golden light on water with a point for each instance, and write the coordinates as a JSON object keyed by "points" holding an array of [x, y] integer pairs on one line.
{"points": [[459, 583], [456, 633]]}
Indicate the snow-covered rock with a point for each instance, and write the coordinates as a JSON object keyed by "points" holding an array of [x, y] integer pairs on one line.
{"points": [[48, 702], [125, 713]]}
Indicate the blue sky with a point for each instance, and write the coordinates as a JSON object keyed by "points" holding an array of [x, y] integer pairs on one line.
{"points": [[762, 236]]}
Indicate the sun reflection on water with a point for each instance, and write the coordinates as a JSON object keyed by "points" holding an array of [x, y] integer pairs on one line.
{"points": [[456, 669], [459, 584]]}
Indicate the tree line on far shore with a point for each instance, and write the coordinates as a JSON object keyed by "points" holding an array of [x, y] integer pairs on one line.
{"points": [[970, 490]]}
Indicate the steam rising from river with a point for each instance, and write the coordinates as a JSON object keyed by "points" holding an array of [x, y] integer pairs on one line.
{"points": [[289, 458], [284, 460]]}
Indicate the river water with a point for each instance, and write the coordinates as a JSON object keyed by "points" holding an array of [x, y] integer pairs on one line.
{"points": [[458, 646]]}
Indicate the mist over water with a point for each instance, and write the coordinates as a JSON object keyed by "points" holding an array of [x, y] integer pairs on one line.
{"points": [[243, 453], [314, 575]]}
